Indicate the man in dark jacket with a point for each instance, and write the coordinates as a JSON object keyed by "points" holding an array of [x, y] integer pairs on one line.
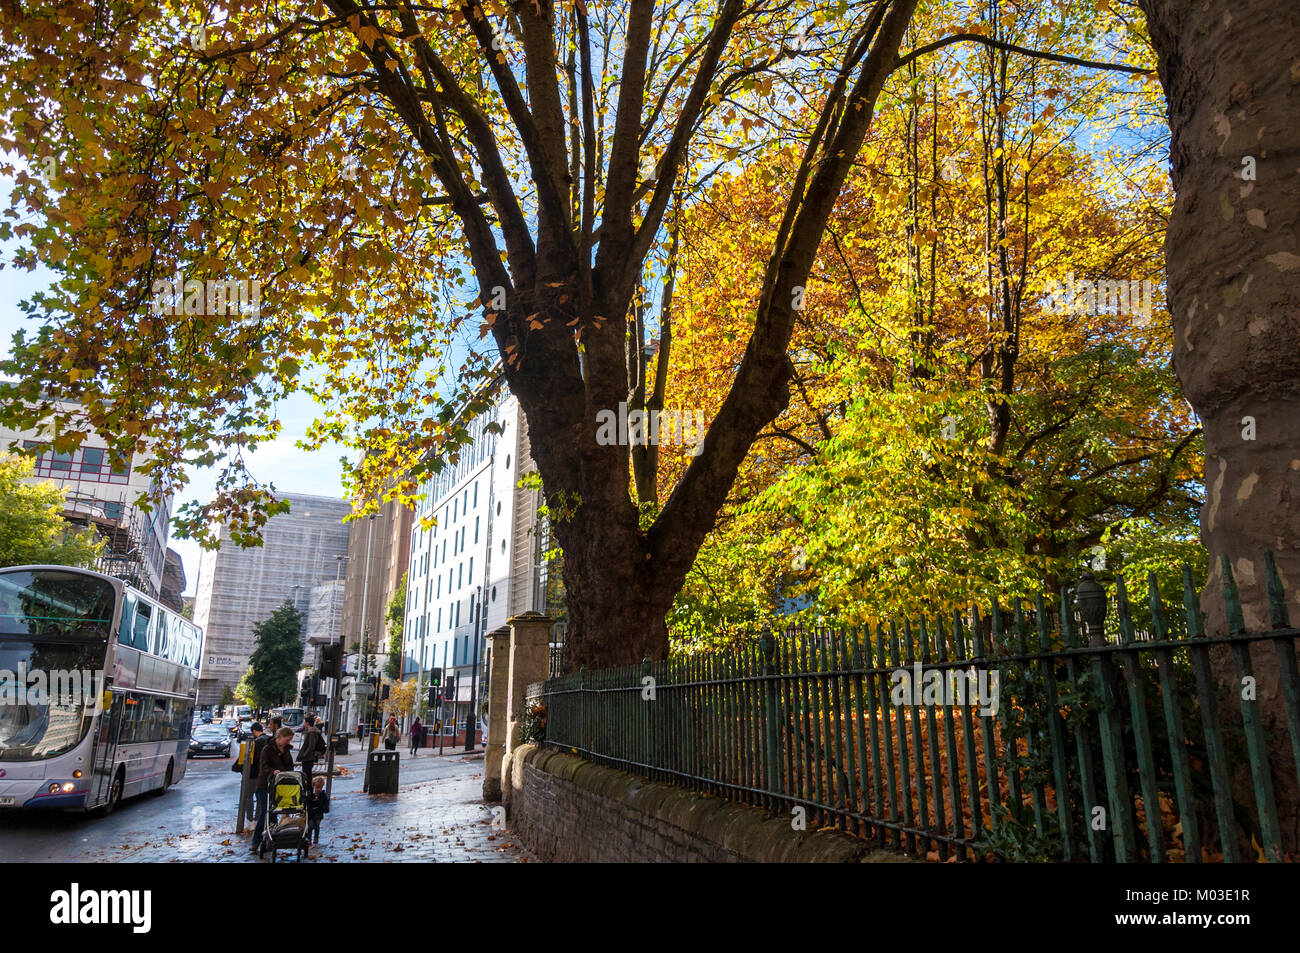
{"points": [[275, 757], [312, 749], [260, 738]]}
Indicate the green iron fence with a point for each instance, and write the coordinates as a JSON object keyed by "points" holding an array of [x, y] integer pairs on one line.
{"points": [[1122, 742]]}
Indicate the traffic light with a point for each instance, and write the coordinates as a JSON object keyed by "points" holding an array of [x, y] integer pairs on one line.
{"points": [[436, 678], [331, 661], [434, 699], [383, 693], [450, 690]]}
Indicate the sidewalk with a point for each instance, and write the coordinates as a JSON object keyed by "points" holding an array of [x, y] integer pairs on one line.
{"points": [[437, 817]]}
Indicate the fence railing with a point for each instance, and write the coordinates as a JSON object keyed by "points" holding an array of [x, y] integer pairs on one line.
{"points": [[1019, 734]]}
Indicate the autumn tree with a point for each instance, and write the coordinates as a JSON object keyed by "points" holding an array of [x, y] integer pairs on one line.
{"points": [[355, 177], [953, 434], [32, 528], [533, 146]]}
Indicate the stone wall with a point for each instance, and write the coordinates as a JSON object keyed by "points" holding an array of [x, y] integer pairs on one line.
{"points": [[566, 809]]}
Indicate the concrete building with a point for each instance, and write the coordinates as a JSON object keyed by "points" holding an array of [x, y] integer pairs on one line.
{"points": [[238, 588], [480, 563], [379, 548], [102, 493]]}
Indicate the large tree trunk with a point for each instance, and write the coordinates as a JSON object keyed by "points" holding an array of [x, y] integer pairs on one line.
{"points": [[1231, 72]]}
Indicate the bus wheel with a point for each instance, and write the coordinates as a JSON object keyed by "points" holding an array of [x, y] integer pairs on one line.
{"points": [[114, 793], [167, 780]]}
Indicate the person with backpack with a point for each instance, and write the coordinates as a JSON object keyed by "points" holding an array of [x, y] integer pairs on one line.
{"points": [[392, 734], [311, 750], [417, 735]]}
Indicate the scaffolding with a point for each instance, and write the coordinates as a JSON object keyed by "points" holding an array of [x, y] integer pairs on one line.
{"points": [[124, 553]]}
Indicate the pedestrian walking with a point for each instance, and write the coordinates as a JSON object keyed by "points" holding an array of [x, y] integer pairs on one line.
{"points": [[318, 805], [312, 749], [392, 734], [417, 735], [275, 757]]}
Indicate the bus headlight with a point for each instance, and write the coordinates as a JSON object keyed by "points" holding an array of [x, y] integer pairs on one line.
{"points": [[54, 788], [68, 787]]}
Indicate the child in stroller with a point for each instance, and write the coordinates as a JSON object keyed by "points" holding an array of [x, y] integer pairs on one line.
{"points": [[286, 819]]}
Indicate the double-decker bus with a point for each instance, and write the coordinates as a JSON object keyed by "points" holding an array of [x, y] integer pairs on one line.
{"points": [[97, 687]]}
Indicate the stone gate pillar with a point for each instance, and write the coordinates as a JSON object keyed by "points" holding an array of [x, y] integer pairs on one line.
{"points": [[530, 661], [498, 713]]}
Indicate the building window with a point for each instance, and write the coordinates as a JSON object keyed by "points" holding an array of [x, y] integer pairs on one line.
{"points": [[476, 492], [471, 568], [92, 461], [498, 507], [460, 575], [494, 593], [476, 519]]}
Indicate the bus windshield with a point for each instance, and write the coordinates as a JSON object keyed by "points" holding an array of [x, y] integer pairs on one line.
{"points": [[45, 688], [292, 717], [54, 630]]}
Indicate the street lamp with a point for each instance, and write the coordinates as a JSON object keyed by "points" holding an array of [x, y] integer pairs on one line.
{"points": [[1090, 597], [365, 594], [471, 722]]}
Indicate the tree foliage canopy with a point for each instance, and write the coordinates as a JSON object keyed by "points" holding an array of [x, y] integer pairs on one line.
{"points": [[420, 194]]}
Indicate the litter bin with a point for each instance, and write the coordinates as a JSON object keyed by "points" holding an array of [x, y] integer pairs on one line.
{"points": [[339, 742], [381, 772]]}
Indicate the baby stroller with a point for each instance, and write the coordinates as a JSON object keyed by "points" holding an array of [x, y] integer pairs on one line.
{"points": [[286, 816]]}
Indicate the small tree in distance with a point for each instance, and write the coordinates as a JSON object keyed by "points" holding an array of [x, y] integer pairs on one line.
{"points": [[277, 655]]}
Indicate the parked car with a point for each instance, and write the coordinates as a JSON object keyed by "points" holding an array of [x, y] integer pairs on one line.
{"points": [[210, 740]]}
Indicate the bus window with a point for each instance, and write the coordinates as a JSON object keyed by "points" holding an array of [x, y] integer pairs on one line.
{"points": [[140, 629]]}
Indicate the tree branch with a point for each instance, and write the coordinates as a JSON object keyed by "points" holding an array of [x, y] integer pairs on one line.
{"points": [[1013, 48]]}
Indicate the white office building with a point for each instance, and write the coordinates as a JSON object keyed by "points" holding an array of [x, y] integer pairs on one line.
{"points": [[481, 562]]}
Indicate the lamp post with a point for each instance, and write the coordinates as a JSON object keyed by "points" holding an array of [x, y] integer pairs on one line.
{"points": [[1090, 597], [333, 714], [365, 593], [471, 721]]}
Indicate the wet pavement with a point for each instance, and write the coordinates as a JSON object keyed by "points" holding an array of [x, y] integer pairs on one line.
{"points": [[438, 817]]}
